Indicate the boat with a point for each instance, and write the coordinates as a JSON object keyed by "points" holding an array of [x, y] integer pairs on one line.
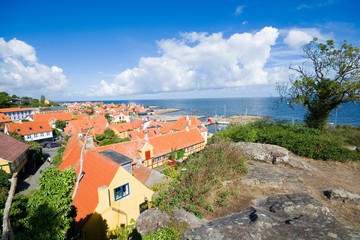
{"points": [[223, 122]]}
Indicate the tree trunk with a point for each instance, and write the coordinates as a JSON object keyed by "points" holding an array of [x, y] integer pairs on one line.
{"points": [[317, 117], [8, 233]]}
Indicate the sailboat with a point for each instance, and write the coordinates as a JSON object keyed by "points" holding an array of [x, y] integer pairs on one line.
{"points": [[224, 122]]}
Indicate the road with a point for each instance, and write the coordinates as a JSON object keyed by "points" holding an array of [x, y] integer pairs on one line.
{"points": [[29, 183]]}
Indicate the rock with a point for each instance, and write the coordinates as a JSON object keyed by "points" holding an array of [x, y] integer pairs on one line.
{"points": [[269, 176], [264, 152], [341, 194], [151, 220], [180, 215], [293, 216]]}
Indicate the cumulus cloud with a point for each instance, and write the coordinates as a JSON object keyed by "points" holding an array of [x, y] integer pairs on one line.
{"points": [[19, 68], [296, 38], [197, 61]]}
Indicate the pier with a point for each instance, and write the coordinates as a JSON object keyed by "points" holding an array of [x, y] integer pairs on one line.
{"points": [[235, 120]]}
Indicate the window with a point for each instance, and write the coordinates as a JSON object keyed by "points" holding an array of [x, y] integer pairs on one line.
{"points": [[121, 192]]}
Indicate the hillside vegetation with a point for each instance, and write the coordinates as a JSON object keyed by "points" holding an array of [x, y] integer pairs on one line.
{"points": [[199, 185], [329, 144]]}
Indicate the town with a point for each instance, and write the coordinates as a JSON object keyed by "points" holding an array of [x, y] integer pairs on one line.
{"points": [[117, 151]]}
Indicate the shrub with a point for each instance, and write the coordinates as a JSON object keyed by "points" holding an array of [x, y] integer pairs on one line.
{"points": [[303, 141], [204, 174]]}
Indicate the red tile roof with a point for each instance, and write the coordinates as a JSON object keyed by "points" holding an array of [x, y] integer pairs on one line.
{"points": [[121, 127], [187, 121], [63, 116], [165, 144], [26, 128], [4, 118], [5, 110], [11, 148], [98, 171], [141, 173]]}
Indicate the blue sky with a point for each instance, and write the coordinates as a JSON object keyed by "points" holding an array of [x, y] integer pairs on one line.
{"points": [[102, 50]]}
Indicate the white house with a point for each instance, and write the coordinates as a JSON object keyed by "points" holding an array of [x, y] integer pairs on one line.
{"points": [[16, 114], [31, 131]]}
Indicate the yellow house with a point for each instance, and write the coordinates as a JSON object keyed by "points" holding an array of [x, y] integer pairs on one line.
{"points": [[154, 151], [108, 194], [13, 155]]}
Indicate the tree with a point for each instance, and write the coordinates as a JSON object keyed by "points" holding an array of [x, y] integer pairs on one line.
{"points": [[5, 100], [334, 79], [50, 208], [108, 117], [42, 99], [60, 124]]}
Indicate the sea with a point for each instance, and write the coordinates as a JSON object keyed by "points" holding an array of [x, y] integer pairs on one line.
{"points": [[271, 107]]}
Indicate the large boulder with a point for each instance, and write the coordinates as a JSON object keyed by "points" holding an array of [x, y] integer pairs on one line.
{"points": [[271, 154], [341, 194], [264, 152], [295, 216], [152, 220]]}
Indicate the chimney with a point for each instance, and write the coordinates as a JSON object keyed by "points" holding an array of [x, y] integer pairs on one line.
{"points": [[187, 118], [187, 128], [146, 138], [189, 122], [104, 198]]}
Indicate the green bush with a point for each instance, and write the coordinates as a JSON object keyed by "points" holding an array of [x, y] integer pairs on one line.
{"points": [[303, 141], [173, 232]]}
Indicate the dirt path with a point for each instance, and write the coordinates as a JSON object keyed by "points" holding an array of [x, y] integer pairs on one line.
{"points": [[328, 174]]}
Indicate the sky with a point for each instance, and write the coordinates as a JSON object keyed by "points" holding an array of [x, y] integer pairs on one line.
{"points": [[140, 49]]}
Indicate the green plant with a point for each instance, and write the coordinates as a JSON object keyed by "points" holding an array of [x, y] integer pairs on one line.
{"points": [[173, 232], [332, 80], [125, 232], [203, 175], [301, 140]]}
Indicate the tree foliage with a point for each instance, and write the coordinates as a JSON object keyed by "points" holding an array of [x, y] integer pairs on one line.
{"points": [[333, 79], [5, 100], [50, 207], [108, 117], [60, 124], [109, 137]]}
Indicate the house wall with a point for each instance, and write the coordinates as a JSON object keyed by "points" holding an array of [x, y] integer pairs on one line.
{"points": [[123, 210], [160, 160], [15, 166], [38, 136], [142, 153], [4, 165], [19, 115]]}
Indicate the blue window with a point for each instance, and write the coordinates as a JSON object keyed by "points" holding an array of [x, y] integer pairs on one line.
{"points": [[121, 192]]}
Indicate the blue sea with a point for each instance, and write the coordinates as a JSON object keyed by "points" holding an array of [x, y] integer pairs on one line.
{"points": [[346, 114]]}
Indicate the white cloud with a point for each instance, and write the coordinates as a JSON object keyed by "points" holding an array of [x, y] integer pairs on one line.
{"points": [[296, 38], [20, 69], [197, 61], [239, 10]]}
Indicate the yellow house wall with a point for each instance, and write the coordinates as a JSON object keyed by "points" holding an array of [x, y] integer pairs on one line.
{"points": [[127, 208], [147, 147], [4, 165]]}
